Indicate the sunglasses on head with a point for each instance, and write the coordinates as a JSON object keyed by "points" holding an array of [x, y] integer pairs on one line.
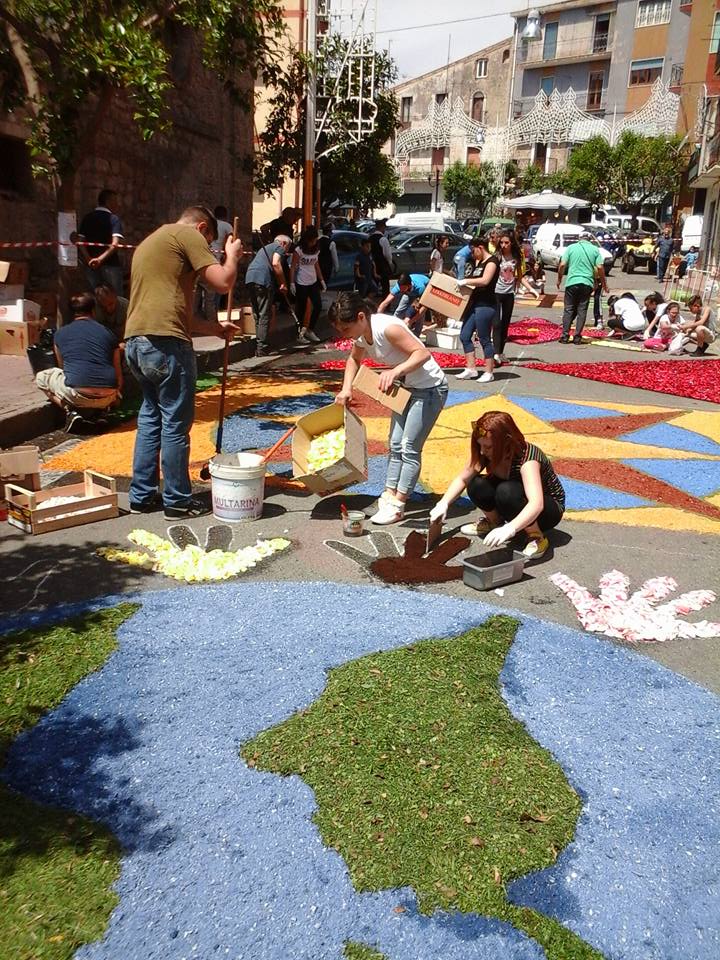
{"points": [[478, 430]]}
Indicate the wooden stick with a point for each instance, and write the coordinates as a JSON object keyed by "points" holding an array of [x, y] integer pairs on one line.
{"points": [[226, 357], [278, 444]]}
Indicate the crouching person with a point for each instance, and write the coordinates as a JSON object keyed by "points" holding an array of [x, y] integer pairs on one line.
{"points": [[88, 375]]}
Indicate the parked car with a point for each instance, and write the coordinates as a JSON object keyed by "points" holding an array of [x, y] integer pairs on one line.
{"points": [[644, 224], [531, 232], [639, 253], [609, 237], [552, 239], [348, 246], [411, 250]]}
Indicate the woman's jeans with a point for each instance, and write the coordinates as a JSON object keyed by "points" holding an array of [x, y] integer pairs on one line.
{"points": [[166, 370], [408, 432], [507, 497], [479, 320], [302, 295], [505, 304]]}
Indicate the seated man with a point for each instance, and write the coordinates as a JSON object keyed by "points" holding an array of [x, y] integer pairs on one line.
{"points": [[88, 375], [403, 300], [111, 310]]}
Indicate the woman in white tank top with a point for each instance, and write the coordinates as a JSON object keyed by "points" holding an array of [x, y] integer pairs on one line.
{"points": [[387, 339], [306, 282]]}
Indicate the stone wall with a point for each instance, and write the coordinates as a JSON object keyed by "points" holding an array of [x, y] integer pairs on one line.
{"points": [[201, 158]]}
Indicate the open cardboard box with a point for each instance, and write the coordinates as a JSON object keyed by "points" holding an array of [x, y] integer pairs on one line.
{"points": [[97, 500], [20, 465], [366, 381], [351, 468], [445, 296]]}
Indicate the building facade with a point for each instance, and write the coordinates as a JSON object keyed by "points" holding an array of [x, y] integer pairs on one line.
{"points": [[441, 113], [607, 55]]}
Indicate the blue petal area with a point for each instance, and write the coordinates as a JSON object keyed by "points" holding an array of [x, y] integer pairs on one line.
{"points": [[243, 433], [456, 397], [289, 406], [701, 478], [588, 496], [561, 410], [674, 438], [222, 860]]}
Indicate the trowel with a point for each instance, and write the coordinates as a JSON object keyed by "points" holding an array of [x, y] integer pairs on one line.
{"points": [[434, 533]]}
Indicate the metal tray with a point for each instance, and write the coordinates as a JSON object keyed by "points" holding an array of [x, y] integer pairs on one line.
{"points": [[494, 568]]}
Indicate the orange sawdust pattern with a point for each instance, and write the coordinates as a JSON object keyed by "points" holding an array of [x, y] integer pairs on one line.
{"points": [[112, 452]]}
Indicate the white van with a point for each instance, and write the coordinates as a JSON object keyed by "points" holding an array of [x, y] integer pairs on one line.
{"points": [[645, 224], [552, 239], [691, 233], [418, 221]]}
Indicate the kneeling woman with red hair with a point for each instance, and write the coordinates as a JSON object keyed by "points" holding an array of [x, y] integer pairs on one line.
{"points": [[511, 481]]}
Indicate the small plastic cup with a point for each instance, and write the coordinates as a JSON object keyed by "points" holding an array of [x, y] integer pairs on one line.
{"points": [[354, 523]]}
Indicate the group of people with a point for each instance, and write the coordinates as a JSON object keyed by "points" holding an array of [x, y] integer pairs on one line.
{"points": [[660, 325], [510, 480]]}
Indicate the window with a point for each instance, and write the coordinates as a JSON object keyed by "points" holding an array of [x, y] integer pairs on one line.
{"points": [[540, 158], [550, 41], [595, 88], [652, 12], [477, 111], [645, 71], [480, 69], [422, 242], [601, 33], [440, 98], [505, 56], [715, 35], [405, 107], [473, 156], [15, 168], [438, 157], [547, 84]]}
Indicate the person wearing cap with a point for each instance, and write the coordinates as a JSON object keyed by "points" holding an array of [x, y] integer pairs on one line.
{"points": [[583, 263], [382, 255]]}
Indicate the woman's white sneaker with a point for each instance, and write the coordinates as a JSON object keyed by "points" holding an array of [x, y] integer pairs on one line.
{"points": [[486, 378], [469, 373], [389, 511]]}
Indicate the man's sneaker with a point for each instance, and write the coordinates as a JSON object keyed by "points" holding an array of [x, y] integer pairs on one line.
{"points": [[150, 506], [311, 336], [536, 547], [577, 339], [478, 529], [195, 508], [564, 338], [73, 420], [486, 378], [389, 511], [469, 373]]}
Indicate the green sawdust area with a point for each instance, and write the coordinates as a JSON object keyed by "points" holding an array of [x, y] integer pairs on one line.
{"points": [[130, 406], [359, 951], [424, 778], [56, 869]]}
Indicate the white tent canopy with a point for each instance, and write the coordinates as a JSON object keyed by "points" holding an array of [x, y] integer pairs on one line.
{"points": [[545, 200]]}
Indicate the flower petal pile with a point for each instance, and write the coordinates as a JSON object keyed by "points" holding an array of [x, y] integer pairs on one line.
{"points": [[325, 449], [192, 564]]}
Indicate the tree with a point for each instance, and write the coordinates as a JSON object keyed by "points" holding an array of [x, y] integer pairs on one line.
{"points": [[474, 186], [350, 171], [68, 59]]}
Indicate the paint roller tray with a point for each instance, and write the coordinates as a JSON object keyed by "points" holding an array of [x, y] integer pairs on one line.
{"points": [[494, 568]]}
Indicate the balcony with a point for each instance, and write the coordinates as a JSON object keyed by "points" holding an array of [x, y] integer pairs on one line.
{"points": [[676, 76], [572, 50], [588, 102]]}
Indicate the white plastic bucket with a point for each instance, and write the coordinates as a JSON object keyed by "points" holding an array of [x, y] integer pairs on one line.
{"points": [[238, 486]]}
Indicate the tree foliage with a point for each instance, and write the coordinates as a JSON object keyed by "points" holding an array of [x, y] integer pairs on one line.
{"points": [[637, 169], [351, 171], [473, 186], [69, 58]]}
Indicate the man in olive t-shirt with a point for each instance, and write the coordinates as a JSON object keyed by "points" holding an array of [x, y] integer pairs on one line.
{"points": [[159, 352]]}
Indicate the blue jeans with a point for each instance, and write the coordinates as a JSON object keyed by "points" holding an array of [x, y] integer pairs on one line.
{"points": [[662, 265], [408, 432], [166, 370], [480, 320]]}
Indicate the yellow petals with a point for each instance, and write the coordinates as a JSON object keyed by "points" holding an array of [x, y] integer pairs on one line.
{"points": [[325, 449]]}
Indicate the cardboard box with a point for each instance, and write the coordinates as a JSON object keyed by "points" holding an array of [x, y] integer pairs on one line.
{"points": [[351, 468], [20, 465], [98, 501], [47, 300], [22, 311], [16, 337], [445, 296], [14, 271], [10, 292], [366, 381]]}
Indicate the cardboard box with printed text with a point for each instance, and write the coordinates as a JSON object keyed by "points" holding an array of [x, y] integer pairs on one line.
{"points": [[445, 296]]}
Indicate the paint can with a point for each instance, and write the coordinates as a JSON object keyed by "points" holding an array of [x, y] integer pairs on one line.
{"points": [[238, 486], [353, 523]]}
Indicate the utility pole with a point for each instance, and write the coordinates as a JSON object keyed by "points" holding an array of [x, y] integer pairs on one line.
{"points": [[310, 93]]}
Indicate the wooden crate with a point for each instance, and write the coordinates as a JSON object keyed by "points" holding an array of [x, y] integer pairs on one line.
{"points": [[99, 502]]}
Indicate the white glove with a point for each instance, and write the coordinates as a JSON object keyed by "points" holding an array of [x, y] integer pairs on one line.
{"points": [[439, 511], [293, 289], [500, 535]]}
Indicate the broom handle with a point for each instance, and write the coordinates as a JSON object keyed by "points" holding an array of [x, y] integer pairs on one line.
{"points": [[278, 444], [226, 357]]}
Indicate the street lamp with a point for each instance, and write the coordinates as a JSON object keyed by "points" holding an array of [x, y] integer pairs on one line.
{"points": [[532, 30]]}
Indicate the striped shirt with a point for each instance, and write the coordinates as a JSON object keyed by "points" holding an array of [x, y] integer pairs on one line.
{"points": [[549, 479]]}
